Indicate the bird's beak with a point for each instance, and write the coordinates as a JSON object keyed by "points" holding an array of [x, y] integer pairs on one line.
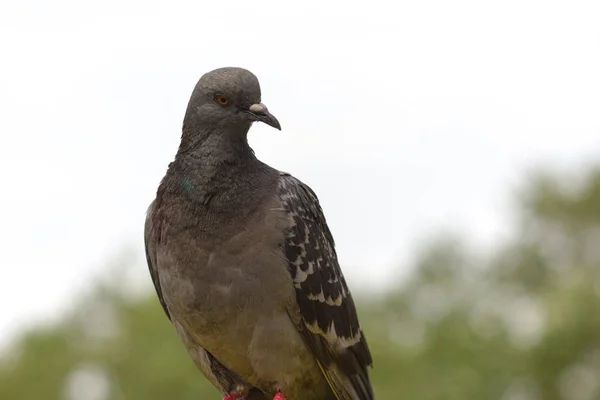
{"points": [[259, 112]]}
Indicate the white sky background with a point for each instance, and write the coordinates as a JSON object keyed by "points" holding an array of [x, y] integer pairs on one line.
{"points": [[404, 117]]}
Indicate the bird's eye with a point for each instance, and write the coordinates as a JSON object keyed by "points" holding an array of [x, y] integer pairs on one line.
{"points": [[222, 100]]}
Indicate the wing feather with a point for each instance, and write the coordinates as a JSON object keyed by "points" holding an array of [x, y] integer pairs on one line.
{"points": [[329, 321], [150, 241]]}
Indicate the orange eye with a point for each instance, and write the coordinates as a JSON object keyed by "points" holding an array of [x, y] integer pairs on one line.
{"points": [[222, 100]]}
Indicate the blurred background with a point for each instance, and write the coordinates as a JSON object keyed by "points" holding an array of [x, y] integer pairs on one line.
{"points": [[455, 147]]}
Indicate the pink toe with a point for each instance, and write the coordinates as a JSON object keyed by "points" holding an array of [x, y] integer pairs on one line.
{"points": [[234, 396]]}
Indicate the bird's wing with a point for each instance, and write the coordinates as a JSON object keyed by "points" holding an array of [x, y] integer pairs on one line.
{"points": [[327, 315], [150, 241]]}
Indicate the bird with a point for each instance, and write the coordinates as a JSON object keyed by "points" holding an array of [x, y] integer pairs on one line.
{"points": [[244, 264]]}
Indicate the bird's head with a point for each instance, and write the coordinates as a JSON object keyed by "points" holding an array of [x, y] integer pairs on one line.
{"points": [[228, 99]]}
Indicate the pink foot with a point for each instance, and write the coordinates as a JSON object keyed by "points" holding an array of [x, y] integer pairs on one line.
{"points": [[235, 396], [279, 396]]}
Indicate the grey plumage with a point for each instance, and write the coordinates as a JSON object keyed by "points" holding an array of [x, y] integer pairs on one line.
{"points": [[244, 264]]}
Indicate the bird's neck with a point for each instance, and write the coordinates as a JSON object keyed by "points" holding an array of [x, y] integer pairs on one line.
{"points": [[212, 162], [216, 145]]}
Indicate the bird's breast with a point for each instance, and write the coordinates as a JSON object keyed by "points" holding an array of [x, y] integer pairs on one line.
{"points": [[213, 285]]}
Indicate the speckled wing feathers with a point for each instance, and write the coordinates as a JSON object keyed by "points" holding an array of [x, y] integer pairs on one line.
{"points": [[331, 326]]}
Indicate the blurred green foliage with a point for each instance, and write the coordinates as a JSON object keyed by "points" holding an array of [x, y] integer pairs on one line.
{"points": [[522, 323]]}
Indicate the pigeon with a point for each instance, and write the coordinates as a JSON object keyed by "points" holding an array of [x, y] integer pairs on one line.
{"points": [[244, 264]]}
